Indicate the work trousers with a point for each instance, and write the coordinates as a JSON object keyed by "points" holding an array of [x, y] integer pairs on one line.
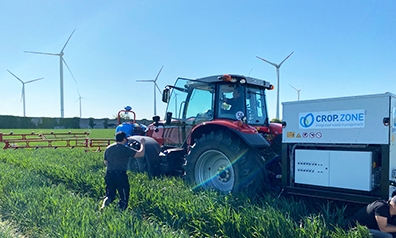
{"points": [[117, 181], [380, 234]]}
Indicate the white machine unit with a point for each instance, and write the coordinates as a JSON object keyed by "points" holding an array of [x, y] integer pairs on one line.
{"points": [[341, 146], [357, 120]]}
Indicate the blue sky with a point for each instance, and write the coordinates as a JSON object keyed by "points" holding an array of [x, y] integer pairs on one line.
{"points": [[341, 48]]}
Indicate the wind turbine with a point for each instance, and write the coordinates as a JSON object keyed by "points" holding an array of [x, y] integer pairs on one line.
{"points": [[155, 86], [61, 72], [79, 98], [277, 66], [298, 91], [23, 89]]}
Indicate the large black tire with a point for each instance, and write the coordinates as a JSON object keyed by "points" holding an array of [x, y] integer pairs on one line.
{"points": [[138, 165], [150, 163], [222, 161]]}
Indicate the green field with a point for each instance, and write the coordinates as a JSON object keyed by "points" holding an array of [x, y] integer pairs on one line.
{"points": [[57, 193]]}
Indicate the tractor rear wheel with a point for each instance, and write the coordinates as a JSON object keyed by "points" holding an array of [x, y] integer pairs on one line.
{"points": [[222, 161], [150, 162]]}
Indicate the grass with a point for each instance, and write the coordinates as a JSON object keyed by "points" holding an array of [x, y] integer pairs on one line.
{"points": [[43, 209], [57, 193]]}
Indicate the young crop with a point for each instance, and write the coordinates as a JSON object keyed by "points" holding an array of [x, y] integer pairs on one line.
{"points": [[57, 193], [42, 209]]}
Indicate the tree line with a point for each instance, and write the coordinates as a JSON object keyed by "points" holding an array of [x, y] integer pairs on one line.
{"points": [[8, 122], [15, 122]]}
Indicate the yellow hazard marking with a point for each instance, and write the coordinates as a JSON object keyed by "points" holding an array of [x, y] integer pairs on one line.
{"points": [[290, 135], [298, 135]]}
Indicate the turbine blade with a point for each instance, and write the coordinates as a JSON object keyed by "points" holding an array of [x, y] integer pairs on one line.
{"points": [[144, 80], [69, 70], [155, 80], [158, 88], [67, 40], [285, 59], [268, 62], [15, 76], [293, 87], [76, 101], [250, 72], [33, 80], [42, 53], [22, 93]]}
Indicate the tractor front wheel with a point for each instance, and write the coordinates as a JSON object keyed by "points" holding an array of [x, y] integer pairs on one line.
{"points": [[222, 161]]}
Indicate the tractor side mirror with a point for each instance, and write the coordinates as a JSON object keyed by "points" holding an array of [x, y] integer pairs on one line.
{"points": [[156, 119], [156, 122], [168, 118], [166, 95]]}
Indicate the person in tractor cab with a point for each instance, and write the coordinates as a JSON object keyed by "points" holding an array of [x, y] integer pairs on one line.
{"points": [[376, 217], [235, 103], [116, 158]]}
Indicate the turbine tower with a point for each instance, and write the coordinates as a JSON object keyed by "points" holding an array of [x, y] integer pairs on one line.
{"points": [[79, 98], [155, 86], [23, 89], [277, 66], [298, 91], [61, 60]]}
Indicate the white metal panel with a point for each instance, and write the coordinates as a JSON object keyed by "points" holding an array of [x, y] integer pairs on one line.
{"points": [[364, 125], [351, 170], [312, 167], [392, 145], [339, 169]]}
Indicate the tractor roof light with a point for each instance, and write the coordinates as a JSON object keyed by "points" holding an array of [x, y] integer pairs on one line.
{"points": [[228, 78], [242, 81], [271, 87]]}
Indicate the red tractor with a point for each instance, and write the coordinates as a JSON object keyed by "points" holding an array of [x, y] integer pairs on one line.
{"points": [[216, 134]]}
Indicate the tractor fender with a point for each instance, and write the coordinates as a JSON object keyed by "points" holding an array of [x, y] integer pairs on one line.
{"points": [[251, 139], [151, 153]]}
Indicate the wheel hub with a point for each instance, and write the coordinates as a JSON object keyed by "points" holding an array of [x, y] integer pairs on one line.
{"points": [[223, 174], [214, 169]]}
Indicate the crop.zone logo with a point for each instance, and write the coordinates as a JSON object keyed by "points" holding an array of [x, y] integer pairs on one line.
{"points": [[307, 121], [354, 118]]}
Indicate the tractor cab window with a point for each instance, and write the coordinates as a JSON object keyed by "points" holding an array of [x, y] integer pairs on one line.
{"points": [[191, 101], [234, 105], [200, 105], [177, 99], [255, 106], [232, 101]]}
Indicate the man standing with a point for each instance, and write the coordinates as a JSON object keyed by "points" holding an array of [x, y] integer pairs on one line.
{"points": [[116, 158], [376, 217]]}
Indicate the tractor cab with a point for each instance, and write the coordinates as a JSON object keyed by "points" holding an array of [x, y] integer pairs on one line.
{"points": [[224, 100]]}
